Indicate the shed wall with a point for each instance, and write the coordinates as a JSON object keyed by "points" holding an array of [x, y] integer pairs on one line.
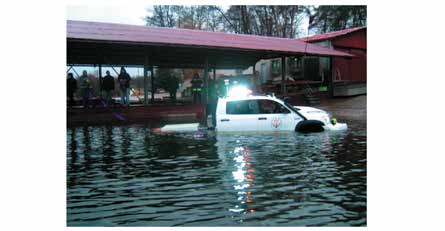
{"points": [[353, 69], [355, 39]]}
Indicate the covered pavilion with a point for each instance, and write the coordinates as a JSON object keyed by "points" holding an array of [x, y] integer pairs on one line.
{"points": [[108, 44]]}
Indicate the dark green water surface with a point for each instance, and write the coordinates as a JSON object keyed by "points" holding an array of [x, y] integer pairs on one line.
{"points": [[128, 176]]}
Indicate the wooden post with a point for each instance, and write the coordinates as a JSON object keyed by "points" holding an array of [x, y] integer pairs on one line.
{"points": [[331, 77], [145, 84], [146, 67], [152, 84], [206, 82], [101, 60], [100, 79], [302, 67], [254, 82], [283, 75]]}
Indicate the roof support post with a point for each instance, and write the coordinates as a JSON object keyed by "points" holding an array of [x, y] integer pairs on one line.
{"points": [[253, 81], [302, 67], [330, 78], [153, 89], [100, 79], [283, 75], [146, 69], [206, 80], [100, 58]]}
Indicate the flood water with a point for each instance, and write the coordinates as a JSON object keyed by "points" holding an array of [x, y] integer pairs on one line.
{"points": [[128, 176]]}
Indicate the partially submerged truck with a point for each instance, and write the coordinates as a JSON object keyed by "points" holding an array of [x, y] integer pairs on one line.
{"points": [[243, 112]]}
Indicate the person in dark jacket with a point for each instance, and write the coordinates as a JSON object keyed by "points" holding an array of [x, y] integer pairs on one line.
{"points": [[71, 89], [196, 88], [124, 84], [108, 87], [213, 100]]}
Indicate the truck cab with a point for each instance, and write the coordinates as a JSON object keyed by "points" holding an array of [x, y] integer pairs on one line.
{"points": [[255, 113]]}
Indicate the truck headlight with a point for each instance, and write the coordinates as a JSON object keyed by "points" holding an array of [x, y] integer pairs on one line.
{"points": [[332, 119]]}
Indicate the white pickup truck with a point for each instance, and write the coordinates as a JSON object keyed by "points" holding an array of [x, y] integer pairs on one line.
{"points": [[245, 112], [268, 113]]}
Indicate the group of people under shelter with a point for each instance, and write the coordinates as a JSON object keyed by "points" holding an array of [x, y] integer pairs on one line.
{"points": [[85, 86], [87, 92], [108, 86]]}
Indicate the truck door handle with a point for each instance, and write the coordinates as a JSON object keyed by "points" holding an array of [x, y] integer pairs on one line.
{"points": [[225, 120], [262, 118]]}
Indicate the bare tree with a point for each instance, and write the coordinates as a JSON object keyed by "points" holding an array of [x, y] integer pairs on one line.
{"points": [[324, 19], [277, 21]]}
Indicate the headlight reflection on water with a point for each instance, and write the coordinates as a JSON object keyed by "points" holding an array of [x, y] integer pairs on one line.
{"points": [[244, 177]]}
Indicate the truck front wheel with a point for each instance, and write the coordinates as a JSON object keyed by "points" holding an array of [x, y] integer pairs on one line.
{"points": [[307, 126]]}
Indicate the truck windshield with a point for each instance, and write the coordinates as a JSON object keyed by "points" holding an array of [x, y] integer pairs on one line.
{"points": [[291, 107]]}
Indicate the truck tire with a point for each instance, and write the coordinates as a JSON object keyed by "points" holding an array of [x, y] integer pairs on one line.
{"points": [[307, 126]]}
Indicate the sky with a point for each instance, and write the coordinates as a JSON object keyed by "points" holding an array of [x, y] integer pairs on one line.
{"points": [[127, 14]]}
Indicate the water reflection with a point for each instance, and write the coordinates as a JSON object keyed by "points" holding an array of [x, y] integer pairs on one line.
{"points": [[271, 180], [244, 178], [125, 146], [72, 158], [108, 151], [86, 147], [129, 176]]}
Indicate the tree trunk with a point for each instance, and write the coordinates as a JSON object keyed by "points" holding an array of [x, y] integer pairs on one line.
{"points": [[268, 22], [292, 17], [245, 19]]}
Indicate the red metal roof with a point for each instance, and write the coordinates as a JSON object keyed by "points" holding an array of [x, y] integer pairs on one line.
{"points": [[330, 35], [121, 33]]}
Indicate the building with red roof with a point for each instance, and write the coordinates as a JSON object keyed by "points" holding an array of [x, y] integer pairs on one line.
{"points": [[314, 72], [349, 77]]}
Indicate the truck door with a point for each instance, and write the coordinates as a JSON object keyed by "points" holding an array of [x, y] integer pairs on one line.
{"points": [[241, 115], [274, 117]]}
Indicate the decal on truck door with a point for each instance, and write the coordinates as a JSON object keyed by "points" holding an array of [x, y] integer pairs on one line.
{"points": [[276, 122]]}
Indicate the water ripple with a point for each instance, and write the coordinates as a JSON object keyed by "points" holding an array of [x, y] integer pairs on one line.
{"points": [[127, 176]]}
